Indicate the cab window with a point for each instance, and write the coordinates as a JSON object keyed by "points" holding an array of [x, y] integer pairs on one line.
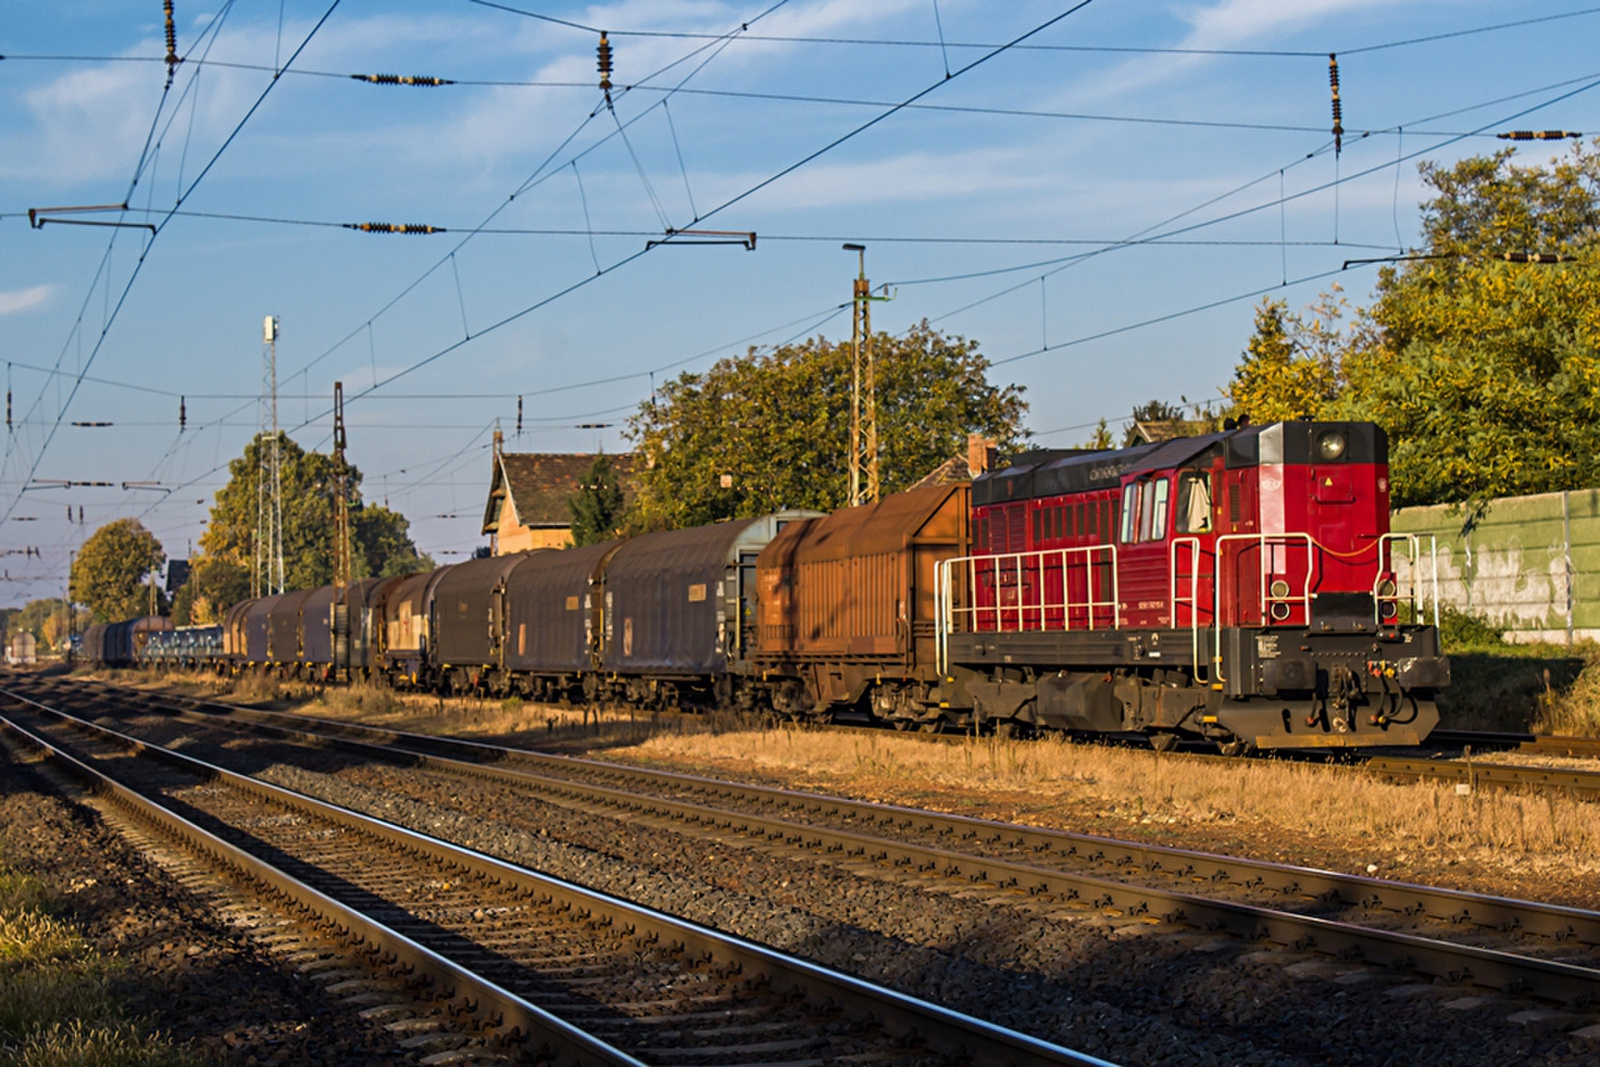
{"points": [[1194, 502], [1144, 510]]}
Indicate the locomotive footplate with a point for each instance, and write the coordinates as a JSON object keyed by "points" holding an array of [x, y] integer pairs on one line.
{"points": [[1268, 688], [1088, 648]]}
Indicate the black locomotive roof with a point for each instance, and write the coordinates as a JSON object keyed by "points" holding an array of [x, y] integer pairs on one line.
{"points": [[1052, 472]]}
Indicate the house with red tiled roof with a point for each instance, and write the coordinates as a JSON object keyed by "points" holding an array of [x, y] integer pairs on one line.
{"points": [[528, 494]]}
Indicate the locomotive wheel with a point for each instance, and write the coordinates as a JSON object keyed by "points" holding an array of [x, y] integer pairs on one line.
{"points": [[1235, 747]]}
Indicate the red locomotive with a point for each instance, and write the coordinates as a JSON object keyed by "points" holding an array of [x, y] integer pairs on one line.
{"points": [[1249, 595]]}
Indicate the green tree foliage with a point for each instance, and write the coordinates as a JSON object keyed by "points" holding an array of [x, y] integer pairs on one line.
{"points": [[1101, 439], [214, 583], [380, 540], [778, 426], [597, 505], [1485, 373], [110, 572], [1290, 368]]}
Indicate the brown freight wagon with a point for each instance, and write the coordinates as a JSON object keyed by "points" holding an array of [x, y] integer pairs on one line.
{"points": [[847, 606]]}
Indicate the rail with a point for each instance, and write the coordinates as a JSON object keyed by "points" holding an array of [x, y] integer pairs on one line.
{"points": [[951, 845], [902, 1017]]}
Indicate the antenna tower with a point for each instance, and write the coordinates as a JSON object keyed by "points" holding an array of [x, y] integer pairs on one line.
{"points": [[267, 574]]}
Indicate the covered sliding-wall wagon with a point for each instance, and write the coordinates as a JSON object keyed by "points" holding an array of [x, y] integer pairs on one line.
{"points": [[848, 605]]}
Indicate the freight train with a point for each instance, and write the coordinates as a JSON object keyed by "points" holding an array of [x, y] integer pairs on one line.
{"points": [[1240, 587]]}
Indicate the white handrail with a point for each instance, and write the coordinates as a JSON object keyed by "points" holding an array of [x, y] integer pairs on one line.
{"points": [[1264, 571], [1417, 604], [1029, 611], [1202, 675]]}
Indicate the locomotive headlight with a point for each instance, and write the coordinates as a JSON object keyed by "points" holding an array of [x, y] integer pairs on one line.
{"points": [[1330, 445], [1280, 588], [1386, 588]]}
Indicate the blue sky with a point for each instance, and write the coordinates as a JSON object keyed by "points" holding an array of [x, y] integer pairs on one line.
{"points": [[1096, 206]]}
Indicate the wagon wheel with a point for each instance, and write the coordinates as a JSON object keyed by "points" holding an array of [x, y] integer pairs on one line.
{"points": [[1236, 747]]}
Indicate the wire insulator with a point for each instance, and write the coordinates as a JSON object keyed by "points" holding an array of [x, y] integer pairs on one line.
{"points": [[603, 54], [393, 227], [172, 42], [183, 413], [1338, 110], [1537, 257], [402, 79], [1538, 135], [519, 416]]}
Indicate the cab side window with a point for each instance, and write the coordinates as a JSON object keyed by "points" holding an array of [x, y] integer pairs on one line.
{"points": [[1194, 502], [1144, 510]]}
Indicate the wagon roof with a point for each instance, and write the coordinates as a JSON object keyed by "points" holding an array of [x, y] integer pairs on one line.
{"points": [[890, 525], [695, 550]]}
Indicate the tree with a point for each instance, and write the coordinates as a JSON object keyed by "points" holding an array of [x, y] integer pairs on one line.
{"points": [[1102, 439], [214, 583], [113, 571], [1485, 373], [1290, 368], [597, 505], [759, 432], [380, 541]]}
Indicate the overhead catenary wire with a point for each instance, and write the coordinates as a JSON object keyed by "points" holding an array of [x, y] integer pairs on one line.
{"points": [[764, 235], [103, 270]]}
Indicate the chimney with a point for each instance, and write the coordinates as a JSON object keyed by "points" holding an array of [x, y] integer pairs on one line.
{"points": [[980, 453]]}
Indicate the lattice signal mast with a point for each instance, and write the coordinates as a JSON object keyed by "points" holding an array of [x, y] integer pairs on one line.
{"points": [[341, 541], [863, 389], [341, 499], [267, 574]]}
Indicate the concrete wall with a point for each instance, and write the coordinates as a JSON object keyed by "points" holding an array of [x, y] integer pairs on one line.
{"points": [[1529, 563]]}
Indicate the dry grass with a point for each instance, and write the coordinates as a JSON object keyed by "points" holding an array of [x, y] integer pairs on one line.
{"points": [[513, 717], [1575, 711], [75, 1044], [57, 1004], [1042, 780]]}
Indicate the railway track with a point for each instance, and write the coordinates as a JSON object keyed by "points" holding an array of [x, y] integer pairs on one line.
{"points": [[1528, 743], [1472, 770], [1546, 951], [565, 973]]}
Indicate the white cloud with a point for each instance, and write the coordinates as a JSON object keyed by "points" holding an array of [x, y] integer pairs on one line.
{"points": [[1233, 22], [916, 176], [16, 300], [1227, 24]]}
